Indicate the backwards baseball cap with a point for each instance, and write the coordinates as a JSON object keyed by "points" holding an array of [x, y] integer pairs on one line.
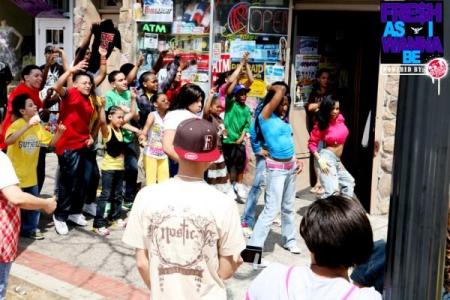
{"points": [[239, 87], [196, 140], [49, 49]]}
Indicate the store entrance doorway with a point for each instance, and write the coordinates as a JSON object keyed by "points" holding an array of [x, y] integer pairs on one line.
{"points": [[349, 46]]}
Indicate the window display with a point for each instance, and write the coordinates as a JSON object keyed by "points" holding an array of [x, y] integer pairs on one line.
{"points": [[169, 25]]}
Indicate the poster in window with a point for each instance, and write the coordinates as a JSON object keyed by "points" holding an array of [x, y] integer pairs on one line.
{"points": [[158, 10], [306, 67], [150, 41]]}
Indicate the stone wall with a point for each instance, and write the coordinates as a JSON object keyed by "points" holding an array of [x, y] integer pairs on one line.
{"points": [[386, 151], [127, 28]]}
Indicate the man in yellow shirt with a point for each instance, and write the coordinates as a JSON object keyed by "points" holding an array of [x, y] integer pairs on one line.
{"points": [[24, 138]]}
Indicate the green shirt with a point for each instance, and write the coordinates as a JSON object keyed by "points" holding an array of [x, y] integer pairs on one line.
{"points": [[237, 120], [113, 98]]}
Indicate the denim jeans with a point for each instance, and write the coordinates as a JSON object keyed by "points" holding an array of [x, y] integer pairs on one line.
{"points": [[4, 274], [112, 191], [92, 176], [280, 193], [371, 273], [131, 171], [29, 218], [72, 183], [40, 171], [338, 178], [259, 183]]}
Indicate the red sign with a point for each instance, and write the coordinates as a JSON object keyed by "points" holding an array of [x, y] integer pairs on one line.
{"points": [[222, 65]]}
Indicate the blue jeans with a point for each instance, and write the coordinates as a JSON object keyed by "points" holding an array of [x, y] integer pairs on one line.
{"points": [[4, 274], [280, 192], [91, 176], [131, 171], [259, 183], [72, 183], [338, 178], [29, 218], [112, 187], [371, 273]]}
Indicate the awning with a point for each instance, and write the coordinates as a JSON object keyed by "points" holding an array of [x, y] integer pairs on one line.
{"points": [[35, 7]]}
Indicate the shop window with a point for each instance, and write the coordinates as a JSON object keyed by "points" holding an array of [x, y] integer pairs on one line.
{"points": [[257, 27], [54, 37]]}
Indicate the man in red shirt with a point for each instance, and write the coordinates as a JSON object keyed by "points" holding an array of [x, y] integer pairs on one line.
{"points": [[11, 200], [76, 111]]}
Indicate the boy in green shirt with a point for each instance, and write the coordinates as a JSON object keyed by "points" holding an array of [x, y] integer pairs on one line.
{"points": [[237, 123]]}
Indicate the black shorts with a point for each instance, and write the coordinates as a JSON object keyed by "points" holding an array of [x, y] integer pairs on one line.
{"points": [[234, 155]]}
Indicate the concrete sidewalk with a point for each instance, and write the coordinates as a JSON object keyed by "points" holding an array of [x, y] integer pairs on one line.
{"points": [[82, 265]]}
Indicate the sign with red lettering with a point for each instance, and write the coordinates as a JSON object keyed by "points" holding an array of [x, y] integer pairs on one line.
{"points": [[267, 20]]}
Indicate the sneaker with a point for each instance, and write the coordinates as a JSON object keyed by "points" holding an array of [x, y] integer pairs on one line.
{"points": [[103, 231], [247, 232], [127, 206], [36, 235], [241, 191], [60, 226], [120, 223], [78, 219], [293, 249], [90, 209]]}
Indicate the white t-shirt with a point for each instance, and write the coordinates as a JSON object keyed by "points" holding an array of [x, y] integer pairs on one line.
{"points": [[175, 117], [8, 176], [303, 284], [185, 226]]}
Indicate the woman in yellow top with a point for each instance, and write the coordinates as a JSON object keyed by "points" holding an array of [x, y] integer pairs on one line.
{"points": [[112, 167], [24, 138]]}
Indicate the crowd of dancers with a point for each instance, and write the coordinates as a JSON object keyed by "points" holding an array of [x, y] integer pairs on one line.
{"points": [[190, 151]]}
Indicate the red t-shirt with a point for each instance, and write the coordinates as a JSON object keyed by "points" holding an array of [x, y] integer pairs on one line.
{"points": [[22, 88], [75, 113]]}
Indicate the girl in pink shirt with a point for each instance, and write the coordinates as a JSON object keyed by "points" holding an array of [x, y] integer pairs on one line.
{"points": [[331, 129]]}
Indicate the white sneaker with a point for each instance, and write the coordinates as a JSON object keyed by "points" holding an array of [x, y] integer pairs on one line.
{"points": [[120, 223], [241, 191], [90, 209], [60, 226], [293, 249], [103, 231], [78, 219]]}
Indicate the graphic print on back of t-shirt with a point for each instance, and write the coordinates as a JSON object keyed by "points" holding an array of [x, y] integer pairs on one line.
{"points": [[190, 234]]}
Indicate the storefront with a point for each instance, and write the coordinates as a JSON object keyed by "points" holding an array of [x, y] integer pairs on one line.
{"points": [[287, 40], [344, 38], [213, 38]]}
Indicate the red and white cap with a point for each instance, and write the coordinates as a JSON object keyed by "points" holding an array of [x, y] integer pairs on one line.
{"points": [[196, 140]]}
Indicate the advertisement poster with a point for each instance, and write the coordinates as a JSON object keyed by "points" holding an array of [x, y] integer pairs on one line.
{"points": [[239, 47], [273, 73], [265, 53], [257, 89], [306, 67], [158, 10], [150, 41], [308, 44]]}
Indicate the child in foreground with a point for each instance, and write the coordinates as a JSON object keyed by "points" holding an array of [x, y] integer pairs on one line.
{"points": [[24, 138], [112, 168]]}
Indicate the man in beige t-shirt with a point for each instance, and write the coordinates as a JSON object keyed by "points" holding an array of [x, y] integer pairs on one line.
{"points": [[187, 235]]}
